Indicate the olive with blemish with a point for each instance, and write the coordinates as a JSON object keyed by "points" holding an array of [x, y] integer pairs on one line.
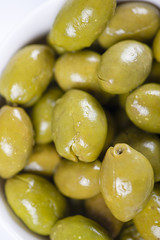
{"points": [[126, 180]]}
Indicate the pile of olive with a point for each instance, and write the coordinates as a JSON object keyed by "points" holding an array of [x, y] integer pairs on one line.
{"points": [[93, 91]]}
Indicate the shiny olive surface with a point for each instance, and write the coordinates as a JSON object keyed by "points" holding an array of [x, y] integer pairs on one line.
{"points": [[127, 180], [124, 66], [78, 228], [16, 140], [78, 180], [143, 109], [79, 126], [97, 210], [27, 74], [146, 143], [43, 160], [148, 220], [35, 201], [130, 232], [80, 22], [156, 47], [132, 20], [41, 115], [78, 70]]}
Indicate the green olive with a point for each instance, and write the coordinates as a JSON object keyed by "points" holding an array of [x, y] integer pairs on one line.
{"points": [[156, 47], [78, 180], [143, 109], [16, 140], [96, 209], [79, 126], [80, 22], [79, 70], [148, 220], [77, 228], [132, 20], [43, 160], [41, 115], [130, 232], [145, 143], [35, 201], [127, 181], [124, 66], [27, 74]]}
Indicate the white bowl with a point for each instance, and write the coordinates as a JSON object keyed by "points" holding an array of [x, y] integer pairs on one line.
{"points": [[37, 24]]}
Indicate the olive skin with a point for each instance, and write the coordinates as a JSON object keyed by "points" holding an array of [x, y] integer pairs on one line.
{"points": [[79, 126], [124, 186], [130, 232], [35, 201], [78, 227], [16, 140], [124, 66], [143, 109], [97, 210], [27, 74], [150, 217], [43, 160], [132, 20], [145, 143], [78, 70], [41, 115], [156, 47], [80, 22], [78, 180]]}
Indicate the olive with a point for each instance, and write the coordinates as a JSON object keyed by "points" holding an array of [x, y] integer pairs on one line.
{"points": [[126, 180]]}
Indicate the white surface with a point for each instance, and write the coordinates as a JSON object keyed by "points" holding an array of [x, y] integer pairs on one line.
{"points": [[20, 22]]}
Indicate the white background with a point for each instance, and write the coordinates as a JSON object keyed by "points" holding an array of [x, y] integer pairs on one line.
{"points": [[12, 12]]}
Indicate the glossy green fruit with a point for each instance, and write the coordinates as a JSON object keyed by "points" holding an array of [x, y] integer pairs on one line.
{"points": [[43, 160], [79, 126], [16, 140], [124, 66], [41, 115], [145, 143], [143, 109], [35, 201], [77, 228], [27, 74], [80, 22], [127, 180], [132, 20], [156, 47], [130, 232], [148, 220], [78, 180], [97, 210], [78, 70]]}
